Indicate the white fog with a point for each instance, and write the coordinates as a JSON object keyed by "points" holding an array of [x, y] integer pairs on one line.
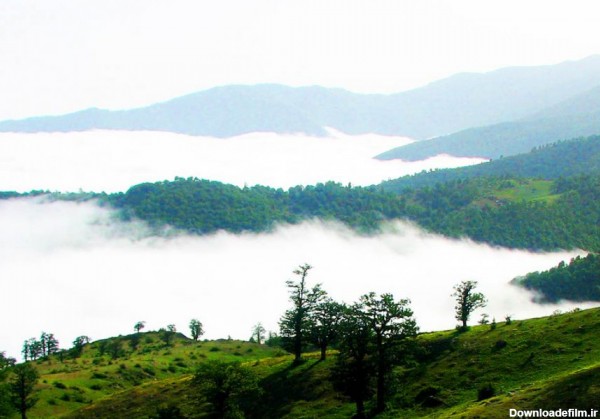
{"points": [[73, 269], [115, 160]]}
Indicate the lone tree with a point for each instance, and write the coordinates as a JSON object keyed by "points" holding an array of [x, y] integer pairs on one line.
{"points": [[467, 301], [24, 379], [258, 332], [196, 329], [139, 326], [295, 323]]}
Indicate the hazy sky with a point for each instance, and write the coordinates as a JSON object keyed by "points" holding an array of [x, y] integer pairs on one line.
{"points": [[64, 55]]}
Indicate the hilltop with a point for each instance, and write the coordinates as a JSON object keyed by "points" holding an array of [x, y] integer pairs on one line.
{"points": [[550, 363]]}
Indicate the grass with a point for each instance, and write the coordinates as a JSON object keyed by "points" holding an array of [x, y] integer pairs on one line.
{"points": [[549, 363], [528, 190]]}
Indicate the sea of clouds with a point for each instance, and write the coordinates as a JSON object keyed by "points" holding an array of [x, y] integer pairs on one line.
{"points": [[113, 161], [74, 269]]}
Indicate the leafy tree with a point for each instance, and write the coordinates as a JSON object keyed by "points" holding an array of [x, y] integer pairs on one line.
{"points": [[390, 321], [467, 301], [6, 362], [139, 326], [167, 334], [295, 322], [78, 345], [6, 407], [353, 371], [32, 349], [21, 387], [258, 333], [324, 324], [230, 388], [196, 329]]}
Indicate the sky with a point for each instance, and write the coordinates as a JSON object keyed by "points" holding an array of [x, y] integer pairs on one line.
{"points": [[65, 55]]}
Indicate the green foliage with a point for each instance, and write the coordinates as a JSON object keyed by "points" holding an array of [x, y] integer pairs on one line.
{"points": [[296, 322], [563, 159], [467, 301], [196, 329], [230, 388], [577, 281], [21, 387]]}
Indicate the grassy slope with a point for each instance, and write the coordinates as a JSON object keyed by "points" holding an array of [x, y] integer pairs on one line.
{"points": [[548, 362], [69, 385]]}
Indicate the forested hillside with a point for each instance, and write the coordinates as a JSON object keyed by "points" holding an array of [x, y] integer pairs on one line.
{"points": [[509, 212], [577, 281], [552, 161]]}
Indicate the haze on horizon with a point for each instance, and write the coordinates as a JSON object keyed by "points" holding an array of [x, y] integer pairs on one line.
{"points": [[65, 55]]}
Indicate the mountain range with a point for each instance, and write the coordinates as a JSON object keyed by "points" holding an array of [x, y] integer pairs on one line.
{"points": [[525, 98]]}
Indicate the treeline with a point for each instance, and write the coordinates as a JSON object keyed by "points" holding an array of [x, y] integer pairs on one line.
{"points": [[562, 159], [202, 206], [462, 208], [577, 281]]}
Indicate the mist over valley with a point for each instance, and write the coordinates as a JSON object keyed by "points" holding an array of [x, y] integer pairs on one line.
{"points": [[95, 275]]}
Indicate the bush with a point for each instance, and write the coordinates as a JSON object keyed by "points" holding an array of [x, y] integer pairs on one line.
{"points": [[485, 392], [60, 385]]}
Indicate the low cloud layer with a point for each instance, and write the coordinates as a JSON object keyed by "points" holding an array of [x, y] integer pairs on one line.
{"points": [[115, 160], [72, 269]]}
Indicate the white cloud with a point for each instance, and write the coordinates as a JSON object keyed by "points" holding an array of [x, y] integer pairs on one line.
{"points": [[115, 160], [71, 269]]}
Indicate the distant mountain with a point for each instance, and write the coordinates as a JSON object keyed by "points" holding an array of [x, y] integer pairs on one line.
{"points": [[563, 159], [577, 116], [449, 105]]}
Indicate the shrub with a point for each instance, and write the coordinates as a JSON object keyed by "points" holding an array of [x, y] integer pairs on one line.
{"points": [[60, 385], [485, 392]]}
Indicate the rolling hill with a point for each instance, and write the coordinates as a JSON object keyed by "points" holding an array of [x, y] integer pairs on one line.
{"points": [[449, 105], [550, 362]]}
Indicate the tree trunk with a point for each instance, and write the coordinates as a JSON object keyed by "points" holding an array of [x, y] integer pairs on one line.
{"points": [[360, 408], [380, 375], [323, 351]]}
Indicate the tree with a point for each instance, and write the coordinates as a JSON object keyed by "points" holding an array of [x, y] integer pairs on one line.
{"points": [[390, 322], [21, 386], [353, 372], [295, 322], [258, 332], [139, 326], [167, 334], [78, 345], [467, 301], [231, 388], [196, 329], [6, 407], [324, 324]]}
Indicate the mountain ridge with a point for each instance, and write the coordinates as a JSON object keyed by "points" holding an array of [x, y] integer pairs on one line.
{"points": [[452, 104]]}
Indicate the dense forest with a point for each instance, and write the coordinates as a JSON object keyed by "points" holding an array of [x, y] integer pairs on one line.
{"points": [[562, 159], [504, 211], [577, 281], [515, 213]]}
